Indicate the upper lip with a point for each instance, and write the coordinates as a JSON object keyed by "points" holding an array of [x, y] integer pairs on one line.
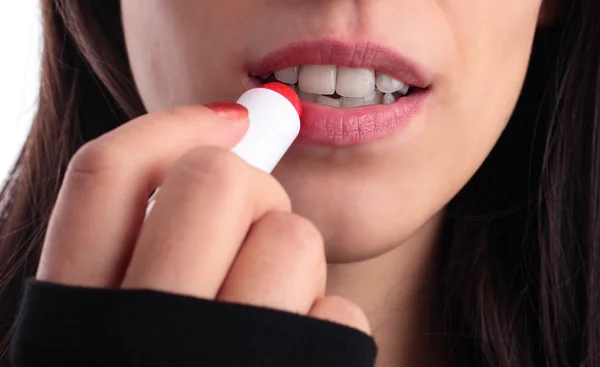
{"points": [[346, 54]]}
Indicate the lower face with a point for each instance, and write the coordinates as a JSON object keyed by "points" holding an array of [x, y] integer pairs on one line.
{"points": [[379, 180]]}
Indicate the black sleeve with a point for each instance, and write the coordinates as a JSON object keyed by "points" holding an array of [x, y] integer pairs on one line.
{"points": [[72, 326]]}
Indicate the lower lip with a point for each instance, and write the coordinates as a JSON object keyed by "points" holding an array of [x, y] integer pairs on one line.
{"points": [[324, 125]]}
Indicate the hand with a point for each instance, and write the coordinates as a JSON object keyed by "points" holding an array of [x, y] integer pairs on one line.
{"points": [[220, 229]]}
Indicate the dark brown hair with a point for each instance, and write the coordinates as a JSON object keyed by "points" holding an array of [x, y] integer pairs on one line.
{"points": [[520, 261]]}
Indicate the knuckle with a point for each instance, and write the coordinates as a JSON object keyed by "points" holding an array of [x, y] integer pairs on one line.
{"points": [[277, 195], [94, 159], [343, 307], [343, 311], [297, 231], [212, 166]]}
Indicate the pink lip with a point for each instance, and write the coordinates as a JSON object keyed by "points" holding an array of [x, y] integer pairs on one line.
{"points": [[348, 126], [326, 125]]}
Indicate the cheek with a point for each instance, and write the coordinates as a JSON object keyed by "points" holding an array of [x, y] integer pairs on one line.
{"points": [[172, 59], [148, 34], [492, 51]]}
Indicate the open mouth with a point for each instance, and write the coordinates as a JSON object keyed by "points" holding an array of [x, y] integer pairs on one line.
{"points": [[341, 87], [352, 92]]}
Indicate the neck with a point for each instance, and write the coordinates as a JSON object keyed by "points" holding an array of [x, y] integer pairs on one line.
{"points": [[395, 290]]}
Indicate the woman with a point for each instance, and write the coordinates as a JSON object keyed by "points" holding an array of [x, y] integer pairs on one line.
{"points": [[457, 223]]}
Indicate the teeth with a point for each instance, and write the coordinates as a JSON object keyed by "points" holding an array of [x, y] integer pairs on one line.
{"points": [[388, 98], [357, 87], [404, 89], [355, 83], [317, 79], [374, 98], [387, 84], [328, 101], [288, 76], [309, 97], [349, 102]]}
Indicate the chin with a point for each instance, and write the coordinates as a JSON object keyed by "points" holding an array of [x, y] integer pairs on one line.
{"points": [[367, 239], [355, 230], [357, 246]]}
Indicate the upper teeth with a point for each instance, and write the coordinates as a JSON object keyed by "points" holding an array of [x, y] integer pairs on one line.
{"points": [[387, 84], [289, 75], [355, 83], [317, 79], [356, 86]]}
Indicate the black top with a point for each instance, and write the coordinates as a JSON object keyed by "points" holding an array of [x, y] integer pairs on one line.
{"points": [[72, 326]]}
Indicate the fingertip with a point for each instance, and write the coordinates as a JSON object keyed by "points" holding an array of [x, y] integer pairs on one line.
{"points": [[342, 311], [237, 119], [229, 110]]}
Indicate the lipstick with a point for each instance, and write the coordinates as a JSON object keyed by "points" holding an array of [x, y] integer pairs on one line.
{"points": [[274, 112]]}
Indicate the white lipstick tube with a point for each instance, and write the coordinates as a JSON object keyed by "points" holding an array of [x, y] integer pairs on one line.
{"points": [[274, 125]]}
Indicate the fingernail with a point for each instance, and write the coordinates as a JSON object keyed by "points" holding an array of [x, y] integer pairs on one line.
{"points": [[229, 110]]}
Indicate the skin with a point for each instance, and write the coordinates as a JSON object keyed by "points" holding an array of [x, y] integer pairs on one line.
{"points": [[359, 245]]}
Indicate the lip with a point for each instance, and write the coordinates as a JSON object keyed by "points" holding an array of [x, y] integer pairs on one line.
{"points": [[331, 126], [347, 54]]}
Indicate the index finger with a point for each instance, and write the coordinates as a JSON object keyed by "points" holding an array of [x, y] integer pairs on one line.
{"points": [[102, 202]]}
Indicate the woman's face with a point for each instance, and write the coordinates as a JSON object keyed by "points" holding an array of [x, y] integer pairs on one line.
{"points": [[366, 185]]}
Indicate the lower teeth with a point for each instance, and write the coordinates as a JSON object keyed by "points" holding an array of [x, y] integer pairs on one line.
{"points": [[346, 102]]}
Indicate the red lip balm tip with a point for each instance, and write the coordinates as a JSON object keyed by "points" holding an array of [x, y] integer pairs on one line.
{"points": [[288, 93]]}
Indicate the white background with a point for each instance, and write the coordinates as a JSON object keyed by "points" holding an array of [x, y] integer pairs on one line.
{"points": [[20, 52]]}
